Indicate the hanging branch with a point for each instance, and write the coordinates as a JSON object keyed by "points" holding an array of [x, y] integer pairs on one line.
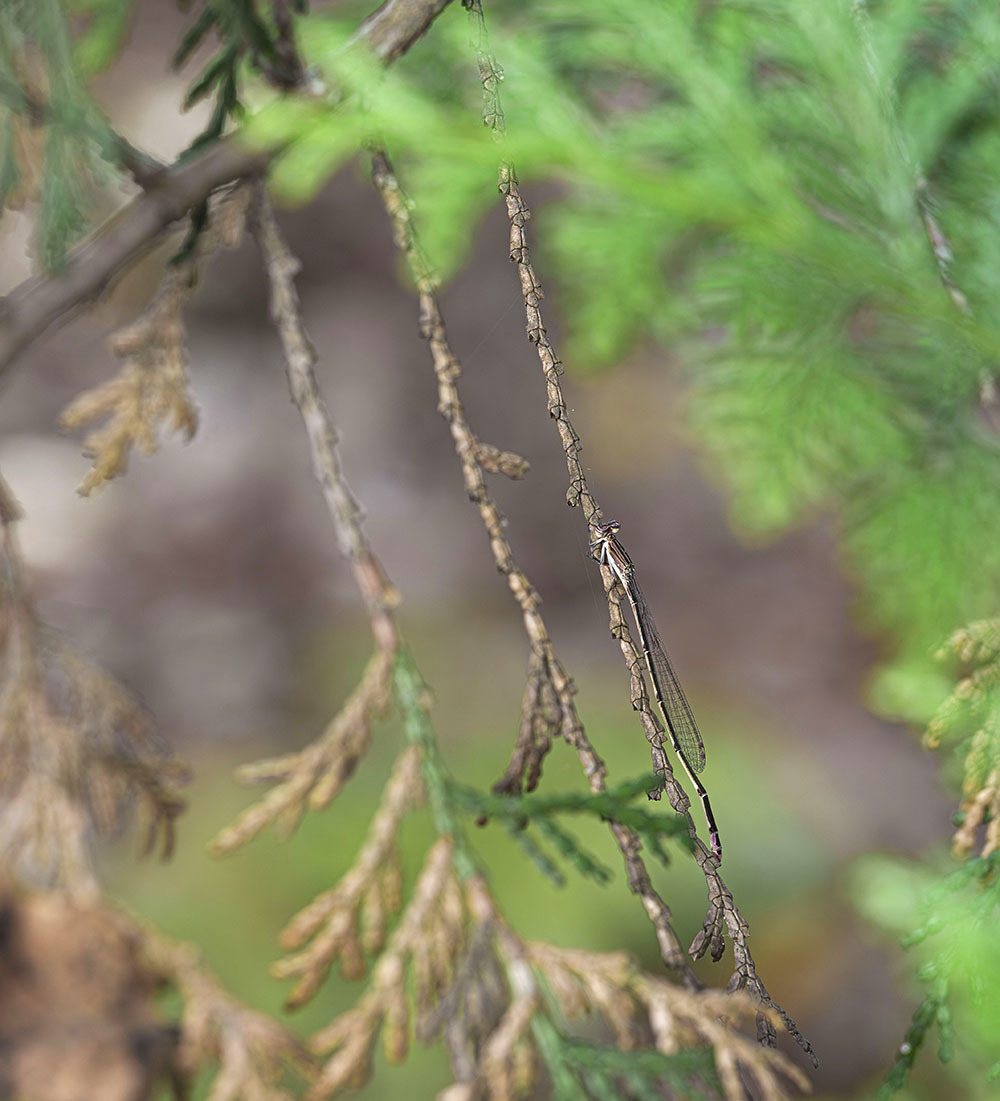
{"points": [[722, 915], [548, 682], [314, 775]]}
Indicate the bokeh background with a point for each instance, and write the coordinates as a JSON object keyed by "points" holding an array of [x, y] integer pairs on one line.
{"points": [[208, 580]]}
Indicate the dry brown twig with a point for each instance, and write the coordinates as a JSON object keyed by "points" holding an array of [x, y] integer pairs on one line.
{"points": [[637, 1009], [372, 886], [313, 776], [77, 753], [427, 939], [610, 984], [722, 914], [78, 750]]}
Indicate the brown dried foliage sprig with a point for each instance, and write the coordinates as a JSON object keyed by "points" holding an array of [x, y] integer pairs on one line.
{"points": [[974, 704], [253, 1054], [78, 751], [635, 1005], [427, 940], [483, 989], [350, 921], [150, 395], [548, 700], [352, 918], [312, 778]]}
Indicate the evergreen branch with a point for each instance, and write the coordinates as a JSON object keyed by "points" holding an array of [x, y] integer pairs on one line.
{"points": [[612, 805], [602, 1073], [922, 196], [925, 1016], [518, 812], [193, 36], [535, 853], [42, 300], [219, 68], [414, 697], [607, 805], [245, 33], [648, 1017], [572, 851], [721, 909], [957, 915]]}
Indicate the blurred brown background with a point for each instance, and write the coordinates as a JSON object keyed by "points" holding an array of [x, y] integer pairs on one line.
{"points": [[208, 580]]}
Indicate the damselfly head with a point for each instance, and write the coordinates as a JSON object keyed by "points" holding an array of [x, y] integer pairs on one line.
{"points": [[604, 533]]}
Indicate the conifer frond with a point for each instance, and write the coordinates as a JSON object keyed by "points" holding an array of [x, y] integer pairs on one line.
{"points": [[60, 145], [946, 922]]}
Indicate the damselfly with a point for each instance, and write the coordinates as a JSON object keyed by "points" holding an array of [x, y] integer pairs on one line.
{"points": [[683, 730]]}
